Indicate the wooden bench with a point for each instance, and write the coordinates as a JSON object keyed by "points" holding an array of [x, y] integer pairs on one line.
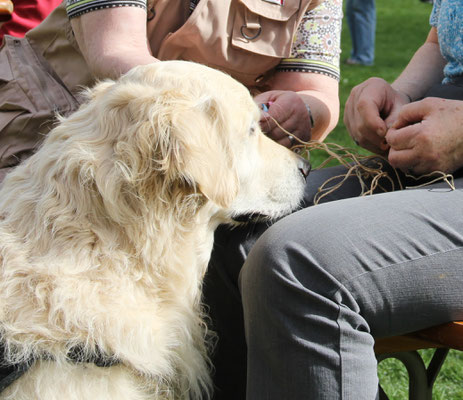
{"points": [[404, 348], [6, 10]]}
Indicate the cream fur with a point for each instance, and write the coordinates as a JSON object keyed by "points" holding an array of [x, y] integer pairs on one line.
{"points": [[105, 233]]}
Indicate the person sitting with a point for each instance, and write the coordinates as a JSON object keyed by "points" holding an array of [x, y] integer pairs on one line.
{"points": [[320, 285], [285, 52], [83, 41]]}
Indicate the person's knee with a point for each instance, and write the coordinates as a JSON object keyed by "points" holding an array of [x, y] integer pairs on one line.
{"points": [[280, 261], [264, 268], [305, 250]]}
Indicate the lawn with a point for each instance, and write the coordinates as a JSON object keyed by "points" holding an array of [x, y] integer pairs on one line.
{"points": [[401, 28]]}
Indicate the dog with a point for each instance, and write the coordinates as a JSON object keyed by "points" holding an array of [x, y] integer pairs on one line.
{"points": [[106, 232]]}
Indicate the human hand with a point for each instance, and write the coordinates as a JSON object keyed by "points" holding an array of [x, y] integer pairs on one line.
{"points": [[370, 109], [289, 110], [427, 136]]}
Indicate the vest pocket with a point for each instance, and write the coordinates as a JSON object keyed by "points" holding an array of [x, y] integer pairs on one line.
{"points": [[265, 27], [29, 98]]}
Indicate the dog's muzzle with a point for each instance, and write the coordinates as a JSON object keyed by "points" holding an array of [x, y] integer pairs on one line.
{"points": [[304, 167]]}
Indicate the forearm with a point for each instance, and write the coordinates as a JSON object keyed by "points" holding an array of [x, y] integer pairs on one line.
{"points": [[113, 64], [113, 41], [424, 69]]}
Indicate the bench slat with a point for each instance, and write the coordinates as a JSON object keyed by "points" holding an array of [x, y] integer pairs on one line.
{"points": [[447, 335]]}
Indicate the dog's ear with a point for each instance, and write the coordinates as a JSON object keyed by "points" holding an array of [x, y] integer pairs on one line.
{"points": [[207, 154], [171, 133]]}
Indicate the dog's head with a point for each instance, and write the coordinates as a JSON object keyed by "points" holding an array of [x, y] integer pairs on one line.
{"points": [[177, 132]]}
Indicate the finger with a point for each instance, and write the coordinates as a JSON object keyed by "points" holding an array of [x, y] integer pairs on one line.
{"points": [[370, 105], [410, 114], [349, 115], [351, 118], [368, 132], [301, 129], [369, 118], [391, 119], [370, 140], [282, 132], [278, 127], [273, 112], [403, 138], [267, 124], [404, 160], [287, 141], [374, 147], [295, 126]]}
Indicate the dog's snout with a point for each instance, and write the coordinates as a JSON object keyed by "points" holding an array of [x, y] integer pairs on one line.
{"points": [[304, 166]]}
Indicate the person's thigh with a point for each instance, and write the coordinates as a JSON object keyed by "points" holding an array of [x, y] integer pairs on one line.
{"points": [[407, 245], [319, 284], [221, 294]]}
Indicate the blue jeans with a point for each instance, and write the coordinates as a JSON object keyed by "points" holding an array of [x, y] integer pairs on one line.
{"points": [[361, 20]]}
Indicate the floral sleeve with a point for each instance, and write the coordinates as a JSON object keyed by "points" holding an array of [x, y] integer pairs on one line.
{"points": [[317, 43]]}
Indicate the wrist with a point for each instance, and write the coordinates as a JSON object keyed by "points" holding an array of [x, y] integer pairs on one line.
{"points": [[309, 111], [405, 95]]}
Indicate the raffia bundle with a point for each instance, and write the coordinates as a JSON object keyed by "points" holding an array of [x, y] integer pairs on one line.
{"points": [[368, 170]]}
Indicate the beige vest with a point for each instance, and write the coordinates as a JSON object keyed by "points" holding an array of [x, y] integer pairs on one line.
{"points": [[43, 74], [245, 38]]}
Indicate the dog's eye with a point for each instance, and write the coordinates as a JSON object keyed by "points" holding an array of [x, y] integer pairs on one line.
{"points": [[252, 129]]}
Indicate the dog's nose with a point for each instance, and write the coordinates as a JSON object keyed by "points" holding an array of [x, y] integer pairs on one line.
{"points": [[304, 166]]}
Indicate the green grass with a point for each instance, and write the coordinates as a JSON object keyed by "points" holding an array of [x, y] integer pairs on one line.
{"points": [[402, 26], [448, 386]]}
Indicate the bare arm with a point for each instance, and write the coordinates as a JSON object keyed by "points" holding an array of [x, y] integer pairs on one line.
{"points": [[373, 106], [295, 90], [424, 69], [113, 40]]}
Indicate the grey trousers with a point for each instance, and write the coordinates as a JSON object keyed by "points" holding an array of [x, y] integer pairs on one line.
{"points": [[322, 283]]}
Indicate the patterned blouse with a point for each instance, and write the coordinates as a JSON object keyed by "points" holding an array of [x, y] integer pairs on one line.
{"points": [[316, 45], [447, 17]]}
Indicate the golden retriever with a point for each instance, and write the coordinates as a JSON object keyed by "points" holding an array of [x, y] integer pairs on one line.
{"points": [[106, 232]]}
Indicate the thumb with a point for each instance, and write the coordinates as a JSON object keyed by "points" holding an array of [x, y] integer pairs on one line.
{"points": [[411, 113], [392, 118]]}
